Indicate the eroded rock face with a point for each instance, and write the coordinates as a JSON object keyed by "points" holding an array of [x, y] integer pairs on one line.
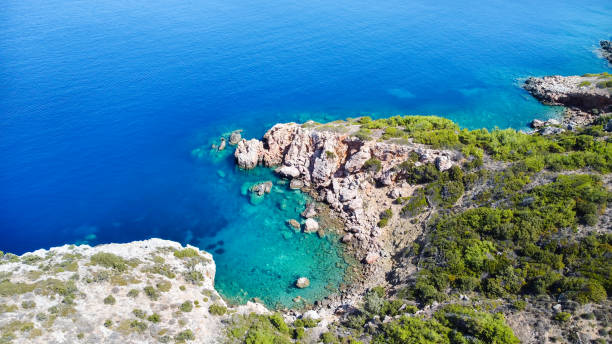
{"points": [[606, 50], [249, 153], [572, 91], [331, 164]]}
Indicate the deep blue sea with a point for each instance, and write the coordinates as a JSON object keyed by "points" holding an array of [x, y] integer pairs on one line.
{"points": [[102, 103]]}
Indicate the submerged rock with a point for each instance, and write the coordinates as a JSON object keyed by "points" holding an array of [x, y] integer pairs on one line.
{"points": [[235, 137], [296, 184], [294, 224], [310, 211], [261, 188], [302, 282]]}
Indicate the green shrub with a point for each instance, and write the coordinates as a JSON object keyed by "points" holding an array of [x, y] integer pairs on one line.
{"points": [[109, 260], [217, 310], [154, 318], [139, 313], [108, 323], [298, 333], [328, 338], [186, 306], [372, 165], [151, 293], [133, 293], [186, 253], [164, 286], [28, 304], [384, 218], [277, 320], [562, 317], [109, 300]]}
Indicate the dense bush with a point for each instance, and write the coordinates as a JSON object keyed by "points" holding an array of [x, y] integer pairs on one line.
{"points": [[510, 250]]}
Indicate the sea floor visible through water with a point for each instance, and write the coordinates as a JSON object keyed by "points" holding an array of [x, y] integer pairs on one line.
{"points": [[259, 233]]}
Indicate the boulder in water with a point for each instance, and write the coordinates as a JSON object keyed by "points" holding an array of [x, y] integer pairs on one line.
{"points": [[302, 282], [294, 224], [249, 153], [311, 226], [261, 188], [310, 211], [235, 137]]}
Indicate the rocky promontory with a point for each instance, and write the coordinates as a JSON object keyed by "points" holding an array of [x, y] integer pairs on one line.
{"points": [[357, 177], [590, 92]]}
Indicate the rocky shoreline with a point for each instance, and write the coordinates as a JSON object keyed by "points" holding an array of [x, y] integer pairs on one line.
{"points": [[584, 99], [356, 178]]}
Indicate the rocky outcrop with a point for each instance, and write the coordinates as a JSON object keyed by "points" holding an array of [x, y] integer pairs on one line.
{"points": [[302, 282], [116, 293], [249, 153], [261, 188], [581, 92], [331, 166], [311, 226], [606, 50], [235, 137]]}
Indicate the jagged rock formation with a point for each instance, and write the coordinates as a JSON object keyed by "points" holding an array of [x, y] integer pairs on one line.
{"points": [[141, 292], [582, 92], [339, 169], [606, 50]]}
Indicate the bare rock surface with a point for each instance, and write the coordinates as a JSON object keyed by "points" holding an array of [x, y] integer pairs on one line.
{"points": [[580, 92], [116, 293], [248, 153], [606, 50]]}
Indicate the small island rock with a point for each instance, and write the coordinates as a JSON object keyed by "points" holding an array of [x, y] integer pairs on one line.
{"points": [[302, 282], [235, 137]]}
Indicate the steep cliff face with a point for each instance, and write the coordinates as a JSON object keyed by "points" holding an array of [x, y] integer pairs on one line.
{"points": [[141, 292]]}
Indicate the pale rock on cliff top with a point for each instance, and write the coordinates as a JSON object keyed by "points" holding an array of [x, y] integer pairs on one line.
{"points": [[110, 293]]}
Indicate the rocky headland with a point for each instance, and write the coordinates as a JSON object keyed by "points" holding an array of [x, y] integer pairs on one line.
{"points": [[585, 98]]}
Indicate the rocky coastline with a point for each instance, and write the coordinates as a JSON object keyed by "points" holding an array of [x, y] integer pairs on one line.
{"points": [[375, 178], [584, 99], [606, 50]]}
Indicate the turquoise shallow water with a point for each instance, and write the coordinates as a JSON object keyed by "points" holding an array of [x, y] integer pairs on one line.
{"points": [[101, 103], [257, 253]]}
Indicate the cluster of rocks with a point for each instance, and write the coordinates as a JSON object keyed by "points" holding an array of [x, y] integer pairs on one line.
{"points": [[234, 138], [606, 50], [332, 166], [584, 102], [578, 92]]}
